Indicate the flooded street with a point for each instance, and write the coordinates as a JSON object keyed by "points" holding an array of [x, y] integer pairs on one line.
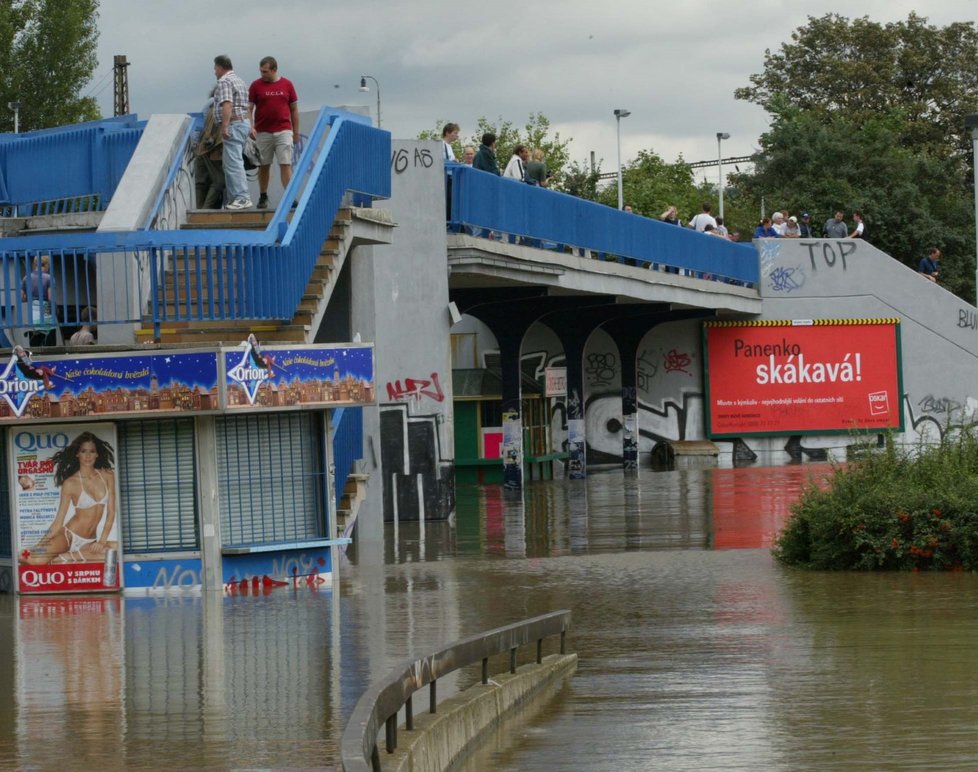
{"points": [[696, 649]]}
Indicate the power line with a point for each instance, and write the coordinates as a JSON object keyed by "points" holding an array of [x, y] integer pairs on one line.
{"points": [[740, 159]]}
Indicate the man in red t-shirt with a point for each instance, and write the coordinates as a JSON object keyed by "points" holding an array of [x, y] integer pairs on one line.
{"points": [[274, 111]]}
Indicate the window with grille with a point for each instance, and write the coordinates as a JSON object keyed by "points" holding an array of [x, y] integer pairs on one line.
{"points": [[158, 486], [271, 478]]}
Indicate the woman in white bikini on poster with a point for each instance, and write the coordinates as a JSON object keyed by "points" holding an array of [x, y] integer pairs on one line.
{"points": [[83, 471]]}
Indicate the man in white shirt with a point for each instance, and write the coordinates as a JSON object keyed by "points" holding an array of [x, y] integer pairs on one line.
{"points": [[516, 168], [703, 219], [449, 134], [860, 230]]}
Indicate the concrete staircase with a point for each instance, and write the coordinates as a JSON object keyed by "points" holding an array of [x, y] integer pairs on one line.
{"points": [[354, 493], [301, 328]]}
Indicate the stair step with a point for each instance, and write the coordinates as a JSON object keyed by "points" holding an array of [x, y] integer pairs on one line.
{"points": [[216, 218], [231, 335]]}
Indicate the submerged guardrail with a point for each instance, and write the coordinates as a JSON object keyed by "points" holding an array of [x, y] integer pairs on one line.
{"points": [[381, 704]]}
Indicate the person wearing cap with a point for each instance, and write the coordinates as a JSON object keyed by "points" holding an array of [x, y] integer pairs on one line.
{"points": [[805, 226], [791, 229], [930, 266]]}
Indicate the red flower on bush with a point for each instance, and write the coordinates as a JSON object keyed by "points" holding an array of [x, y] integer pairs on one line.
{"points": [[895, 544], [936, 512], [904, 517]]}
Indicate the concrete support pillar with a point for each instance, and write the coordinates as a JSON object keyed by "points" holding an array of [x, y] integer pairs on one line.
{"points": [[627, 350], [576, 440], [212, 575], [512, 450]]}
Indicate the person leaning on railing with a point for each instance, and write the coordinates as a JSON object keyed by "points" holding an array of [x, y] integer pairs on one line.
{"points": [[36, 291], [208, 163]]}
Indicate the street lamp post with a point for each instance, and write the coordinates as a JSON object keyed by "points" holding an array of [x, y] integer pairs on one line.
{"points": [[971, 122], [365, 87], [15, 106], [619, 114], [720, 137]]}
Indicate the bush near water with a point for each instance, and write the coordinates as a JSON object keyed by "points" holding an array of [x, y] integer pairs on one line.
{"points": [[899, 509]]}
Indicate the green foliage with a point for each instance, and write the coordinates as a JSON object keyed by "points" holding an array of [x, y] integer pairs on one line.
{"points": [[871, 116], [912, 200], [536, 133], [580, 180], [895, 510], [650, 186], [862, 69], [48, 48]]}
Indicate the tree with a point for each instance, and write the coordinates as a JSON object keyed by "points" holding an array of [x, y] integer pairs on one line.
{"points": [[49, 54], [535, 134], [911, 200], [862, 69]]}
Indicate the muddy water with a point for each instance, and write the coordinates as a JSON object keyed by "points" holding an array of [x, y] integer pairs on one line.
{"points": [[696, 649]]}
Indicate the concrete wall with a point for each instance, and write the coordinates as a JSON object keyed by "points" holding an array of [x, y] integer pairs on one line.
{"points": [[444, 738], [844, 279], [819, 279], [401, 304]]}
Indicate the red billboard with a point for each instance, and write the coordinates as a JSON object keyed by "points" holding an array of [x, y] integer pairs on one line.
{"points": [[802, 377]]}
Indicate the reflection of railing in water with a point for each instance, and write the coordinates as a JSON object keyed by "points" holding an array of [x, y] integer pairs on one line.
{"points": [[381, 703]]}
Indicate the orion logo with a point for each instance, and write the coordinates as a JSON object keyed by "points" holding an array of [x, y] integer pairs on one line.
{"points": [[17, 387], [249, 373]]}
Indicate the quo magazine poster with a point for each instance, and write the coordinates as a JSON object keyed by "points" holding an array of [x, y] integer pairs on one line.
{"points": [[66, 505]]}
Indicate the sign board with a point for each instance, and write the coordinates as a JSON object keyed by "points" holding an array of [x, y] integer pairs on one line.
{"points": [[802, 377], [298, 376], [556, 382], [65, 501]]}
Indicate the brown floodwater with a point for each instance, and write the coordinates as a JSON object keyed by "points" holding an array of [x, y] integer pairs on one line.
{"points": [[696, 649]]}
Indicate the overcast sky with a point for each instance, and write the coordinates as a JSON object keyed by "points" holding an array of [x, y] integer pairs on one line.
{"points": [[674, 66]]}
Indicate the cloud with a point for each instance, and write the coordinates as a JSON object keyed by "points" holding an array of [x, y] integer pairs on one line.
{"points": [[674, 67]]}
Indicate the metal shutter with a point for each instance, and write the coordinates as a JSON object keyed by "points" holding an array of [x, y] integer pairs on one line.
{"points": [[271, 478], [158, 485]]}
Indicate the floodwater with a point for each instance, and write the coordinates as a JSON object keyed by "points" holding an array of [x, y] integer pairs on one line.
{"points": [[696, 649]]}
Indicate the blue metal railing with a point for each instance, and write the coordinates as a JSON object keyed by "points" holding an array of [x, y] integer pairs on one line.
{"points": [[347, 445], [66, 169], [480, 200], [210, 275]]}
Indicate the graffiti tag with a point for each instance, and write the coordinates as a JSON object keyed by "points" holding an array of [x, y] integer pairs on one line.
{"points": [[601, 368], [833, 253], [940, 405], [416, 388], [786, 279], [402, 159], [676, 362], [967, 319]]}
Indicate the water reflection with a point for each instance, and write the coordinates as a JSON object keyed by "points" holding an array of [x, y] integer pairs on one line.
{"points": [[696, 649]]}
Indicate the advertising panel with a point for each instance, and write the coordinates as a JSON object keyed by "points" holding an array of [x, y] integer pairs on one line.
{"points": [[556, 382], [298, 376], [66, 495], [802, 377], [110, 384]]}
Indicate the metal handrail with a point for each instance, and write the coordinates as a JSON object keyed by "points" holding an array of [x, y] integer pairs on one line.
{"points": [[381, 703]]}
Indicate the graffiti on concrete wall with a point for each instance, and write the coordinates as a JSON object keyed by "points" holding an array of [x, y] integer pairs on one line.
{"points": [[415, 388], [420, 481]]}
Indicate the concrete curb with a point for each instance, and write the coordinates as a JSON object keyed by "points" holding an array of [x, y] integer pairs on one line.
{"points": [[437, 741]]}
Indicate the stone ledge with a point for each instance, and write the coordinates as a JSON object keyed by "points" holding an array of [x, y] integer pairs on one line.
{"points": [[439, 740]]}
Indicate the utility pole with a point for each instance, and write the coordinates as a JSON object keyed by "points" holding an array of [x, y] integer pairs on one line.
{"points": [[121, 85]]}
